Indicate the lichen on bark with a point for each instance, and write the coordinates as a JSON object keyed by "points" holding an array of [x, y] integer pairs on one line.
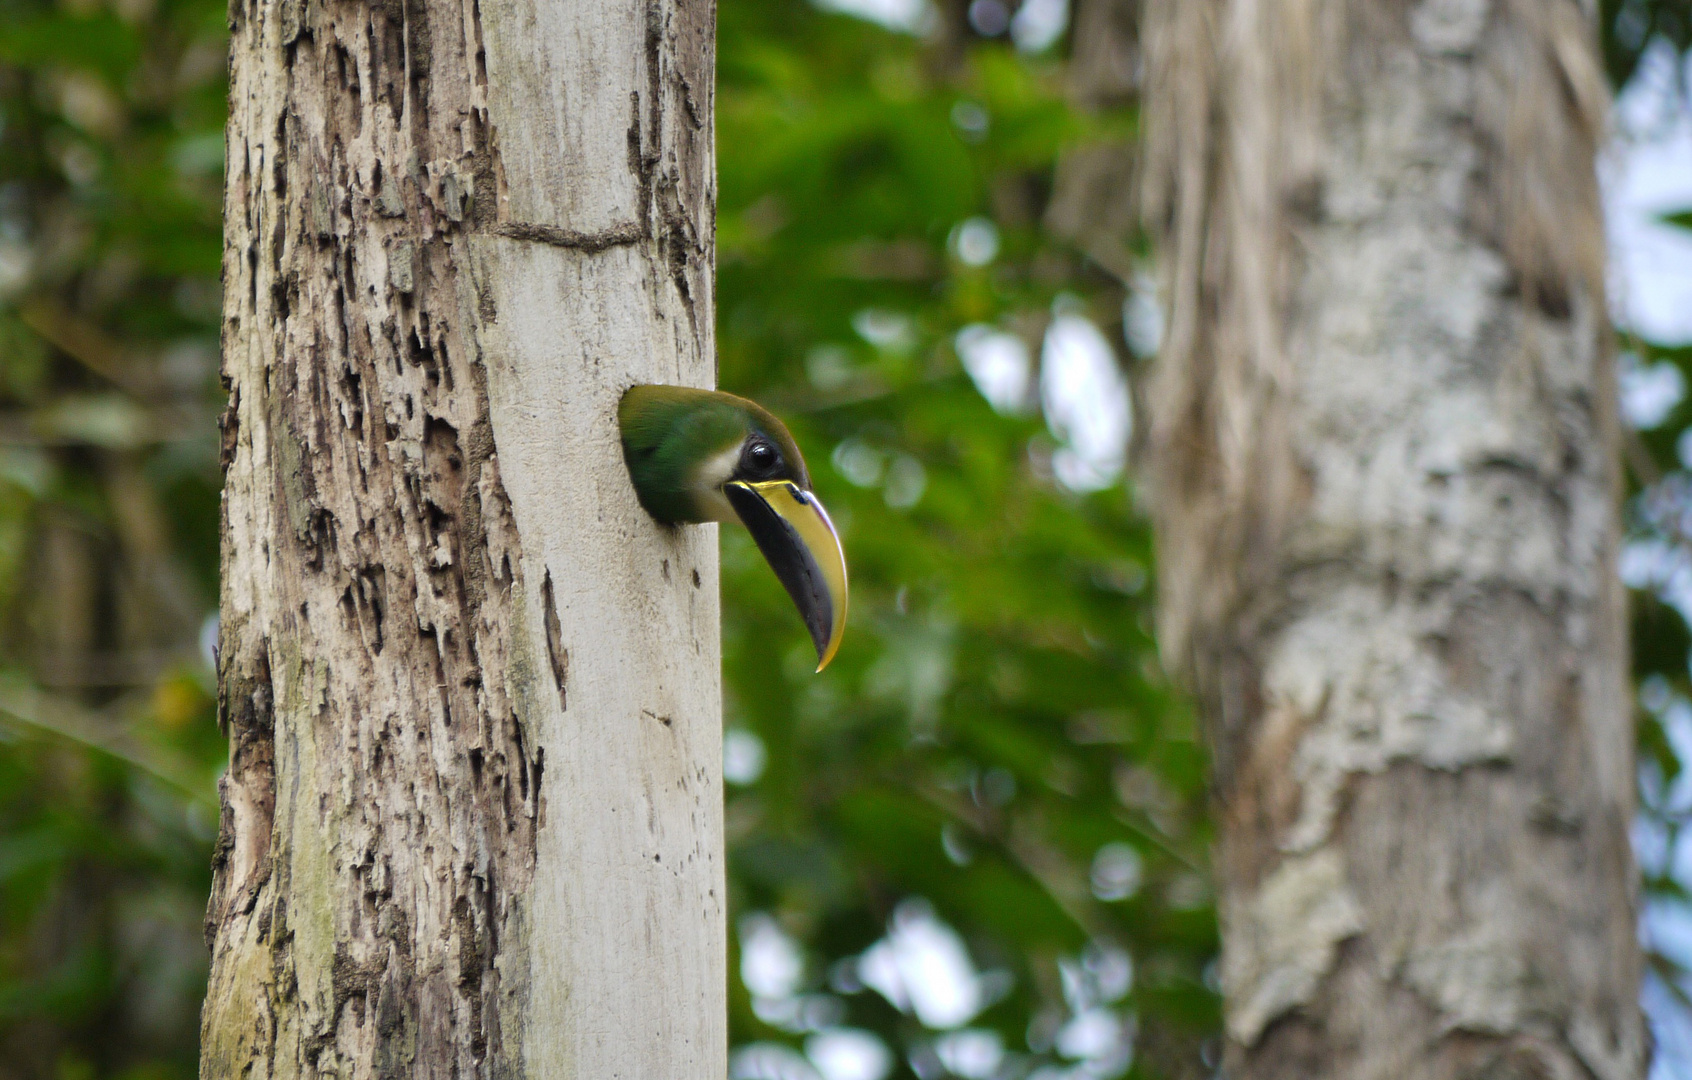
{"points": [[1381, 454]]}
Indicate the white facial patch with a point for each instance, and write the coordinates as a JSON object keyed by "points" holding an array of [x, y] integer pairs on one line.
{"points": [[708, 481]]}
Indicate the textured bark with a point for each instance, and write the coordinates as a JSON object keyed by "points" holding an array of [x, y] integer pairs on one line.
{"points": [[1381, 447], [472, 819]]}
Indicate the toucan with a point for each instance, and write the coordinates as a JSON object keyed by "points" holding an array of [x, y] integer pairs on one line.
{"points": [[703, 455]]}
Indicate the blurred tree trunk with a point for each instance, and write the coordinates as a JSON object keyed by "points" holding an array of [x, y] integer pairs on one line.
{"points": [[1382, 453], [472, 820]]}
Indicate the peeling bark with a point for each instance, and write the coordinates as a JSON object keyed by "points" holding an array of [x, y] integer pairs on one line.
{"points": [[454, 843], [1382, 457]]}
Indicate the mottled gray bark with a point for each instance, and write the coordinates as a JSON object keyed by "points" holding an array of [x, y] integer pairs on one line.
{"points": [[472, 820], [1381, 448]]}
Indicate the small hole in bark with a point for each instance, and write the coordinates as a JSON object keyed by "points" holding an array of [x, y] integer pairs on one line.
{"points": [[540, 797], [522, 757], [556, 652], [1552, 298]]}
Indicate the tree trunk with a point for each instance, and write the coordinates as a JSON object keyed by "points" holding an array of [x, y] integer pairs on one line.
{"points": [[472, 820], [1384, 479]]}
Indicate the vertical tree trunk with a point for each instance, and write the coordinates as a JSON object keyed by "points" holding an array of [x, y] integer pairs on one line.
{"points": [[472, 817], [1382, 449]]}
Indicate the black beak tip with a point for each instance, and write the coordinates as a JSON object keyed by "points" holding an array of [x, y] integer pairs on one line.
{"points": [[794, 563]]}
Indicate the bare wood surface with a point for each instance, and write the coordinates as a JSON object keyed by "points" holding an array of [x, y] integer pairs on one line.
{"points": [[472, 822]]}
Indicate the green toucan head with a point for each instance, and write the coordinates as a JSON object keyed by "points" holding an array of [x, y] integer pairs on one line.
{"points": [[703, 455]]}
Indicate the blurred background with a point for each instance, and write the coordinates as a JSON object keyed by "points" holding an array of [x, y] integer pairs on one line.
{"points": [[977, 845]]}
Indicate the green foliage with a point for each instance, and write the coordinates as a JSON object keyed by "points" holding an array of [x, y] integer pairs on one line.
{"points": [[1628, 28], [110, 155], [1657, 561], [995, 746], [996, 717], [1659, 545]]}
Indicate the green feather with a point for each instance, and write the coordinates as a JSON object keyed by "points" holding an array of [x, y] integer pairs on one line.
{"points": [[670, 431]]}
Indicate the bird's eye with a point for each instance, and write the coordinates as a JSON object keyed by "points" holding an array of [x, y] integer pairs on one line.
{"points": [[761, 456]]}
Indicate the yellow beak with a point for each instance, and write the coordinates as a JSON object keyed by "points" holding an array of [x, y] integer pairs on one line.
{"points": [[798, 540]]}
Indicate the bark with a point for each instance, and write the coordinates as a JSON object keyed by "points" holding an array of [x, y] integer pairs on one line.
{"points": [[1382, 459], [1092, 204], [472, 819]]}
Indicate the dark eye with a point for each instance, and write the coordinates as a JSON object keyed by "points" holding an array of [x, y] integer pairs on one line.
{"points": [[760, 457]]}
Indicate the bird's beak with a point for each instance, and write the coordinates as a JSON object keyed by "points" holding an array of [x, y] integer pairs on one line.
{"points": [[798, 540]]}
